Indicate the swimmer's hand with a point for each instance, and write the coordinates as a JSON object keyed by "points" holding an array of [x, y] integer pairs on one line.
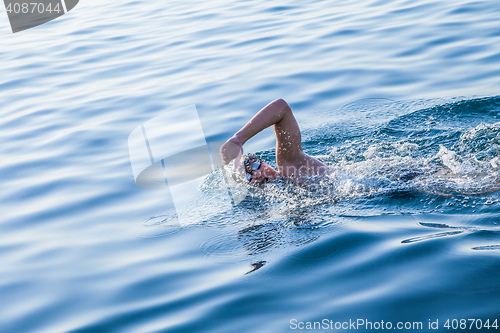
{"points": [[231, 149]]}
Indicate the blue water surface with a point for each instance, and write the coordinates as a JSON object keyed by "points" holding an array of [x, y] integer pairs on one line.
{"points": [[378, 87]]}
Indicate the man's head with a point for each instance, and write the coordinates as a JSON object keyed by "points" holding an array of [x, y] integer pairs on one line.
{"points": [[257, 171]]}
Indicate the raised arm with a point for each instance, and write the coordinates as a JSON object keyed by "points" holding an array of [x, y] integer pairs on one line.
{"points": [[288, 139]]}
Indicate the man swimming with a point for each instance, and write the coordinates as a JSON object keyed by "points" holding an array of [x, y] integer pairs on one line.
{"points": [[293, 163]]}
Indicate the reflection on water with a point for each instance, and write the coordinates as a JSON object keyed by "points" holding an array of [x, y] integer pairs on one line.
{"points": [[86, 250]]}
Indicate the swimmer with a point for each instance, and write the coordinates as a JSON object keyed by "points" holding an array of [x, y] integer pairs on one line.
{"points": [[293, 163]]}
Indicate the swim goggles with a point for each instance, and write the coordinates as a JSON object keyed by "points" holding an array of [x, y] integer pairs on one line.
{"points": [[255, 166]]}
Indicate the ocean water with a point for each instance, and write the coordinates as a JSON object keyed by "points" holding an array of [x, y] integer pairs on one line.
{"points": [[382, 90]]}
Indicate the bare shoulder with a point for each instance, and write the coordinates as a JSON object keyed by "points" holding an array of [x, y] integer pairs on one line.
{"points": [[290, 157]]}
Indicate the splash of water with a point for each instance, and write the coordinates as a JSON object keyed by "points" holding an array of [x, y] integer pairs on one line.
{"points": [[443, 158]]}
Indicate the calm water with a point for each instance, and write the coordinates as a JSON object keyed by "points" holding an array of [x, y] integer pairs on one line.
{"points": [[378, 87]]}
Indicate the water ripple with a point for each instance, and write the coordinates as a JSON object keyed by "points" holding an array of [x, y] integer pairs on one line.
{"points": [[378, 87]]}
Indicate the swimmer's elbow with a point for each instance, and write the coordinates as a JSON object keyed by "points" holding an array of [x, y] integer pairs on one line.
{"points": [[282, 103]]}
